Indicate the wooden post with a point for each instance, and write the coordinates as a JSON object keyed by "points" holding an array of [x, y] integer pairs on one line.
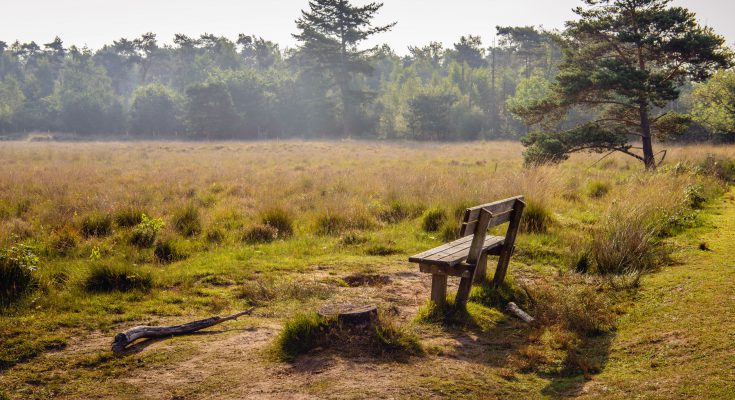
{"points": [[510, 238], [439, 289]]}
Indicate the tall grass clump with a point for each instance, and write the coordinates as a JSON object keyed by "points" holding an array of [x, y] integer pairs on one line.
{"points": [[334, 223], [187, 221], [17, 267], [110, 278], [96, 224], [719, 167], [279, 219], [128, 217], [64, 241], [266, 291], [433, 219], [168, 250], [260, 234], [598, 189], [578, 308], [626, 241], [300, 334], [536, 217], [145, 233], [397, 211]]}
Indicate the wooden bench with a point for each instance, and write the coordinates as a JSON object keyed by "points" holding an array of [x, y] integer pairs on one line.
{"points": [[466, 257]]}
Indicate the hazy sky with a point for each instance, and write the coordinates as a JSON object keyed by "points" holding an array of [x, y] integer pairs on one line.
{"points": [[97, 22]]}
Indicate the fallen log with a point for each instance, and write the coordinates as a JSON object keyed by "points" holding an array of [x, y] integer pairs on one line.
{"points": [[520, 314], [123, 339]]}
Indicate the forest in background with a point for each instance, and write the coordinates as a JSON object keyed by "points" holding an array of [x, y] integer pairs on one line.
{"points": [[213, 87]]}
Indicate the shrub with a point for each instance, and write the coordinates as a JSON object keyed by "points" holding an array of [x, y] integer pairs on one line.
{"points": [[63, 241], [626, 242], [96, 224], [144, 235], [433, 219], [169, 250], [598, 189], [260, 234], [695, 196], [536, 218], [279, 219], [17, 267], [721, 168], [107, 278], [300, 334], [128, 217], [187, 221]]}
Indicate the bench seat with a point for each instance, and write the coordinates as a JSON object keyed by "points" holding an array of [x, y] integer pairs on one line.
{"points": [[452, 254]]}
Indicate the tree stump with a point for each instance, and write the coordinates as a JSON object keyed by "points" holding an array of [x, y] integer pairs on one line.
{"points": [[350, 314]]}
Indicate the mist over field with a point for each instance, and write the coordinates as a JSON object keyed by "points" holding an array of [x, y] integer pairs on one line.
{"points": [[549, 214]]}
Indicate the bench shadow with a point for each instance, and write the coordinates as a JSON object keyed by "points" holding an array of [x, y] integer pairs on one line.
{"points": [[509, 340]]}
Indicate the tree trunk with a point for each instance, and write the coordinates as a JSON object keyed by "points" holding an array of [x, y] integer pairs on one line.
{"points": [[648, 157]]}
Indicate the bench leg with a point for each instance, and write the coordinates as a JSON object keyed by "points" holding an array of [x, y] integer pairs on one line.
{"points": [[439, 289], [463, 292], [481, 271], [502, 268]]}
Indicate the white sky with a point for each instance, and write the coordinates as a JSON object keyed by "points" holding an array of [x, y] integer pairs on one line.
{"points": [[97, 22]]}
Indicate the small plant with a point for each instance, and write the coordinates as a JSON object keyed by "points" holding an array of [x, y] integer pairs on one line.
{"points": [[260, 234], [169, 250], [128, 217], [536, 218], [695, 197], [598, 189], [107, 278], [433, 219], [144, 234], [17, 267], [279, 219], [395, 212], [186, 220], [449, 314], [352, 238], [96, 224]]}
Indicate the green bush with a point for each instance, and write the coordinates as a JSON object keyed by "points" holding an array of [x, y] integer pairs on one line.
{"points": [[144, 234], [260, 234], [96, 224], [598, 189], [721, 168], [536, 218], [17, 267], [107, 278], [433, 219], [128, 217], [186, 220], [169, 250], [279, 219], [695, 196]]}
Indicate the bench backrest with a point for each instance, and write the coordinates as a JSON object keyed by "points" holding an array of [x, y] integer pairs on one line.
{"points": [[477, 220], [502, 211]]}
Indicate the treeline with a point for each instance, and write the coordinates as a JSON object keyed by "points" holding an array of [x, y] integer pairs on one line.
{"points": [[213, 87]]}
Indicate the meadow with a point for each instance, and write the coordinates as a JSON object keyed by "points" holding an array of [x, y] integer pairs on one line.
{"points": [[116, 234]]}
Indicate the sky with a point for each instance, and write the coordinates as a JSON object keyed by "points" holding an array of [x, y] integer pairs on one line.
{"points": [[97, 22]]}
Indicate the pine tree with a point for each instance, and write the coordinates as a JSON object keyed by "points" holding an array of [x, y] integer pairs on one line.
{"points": [[624, 61], [329, 34]]}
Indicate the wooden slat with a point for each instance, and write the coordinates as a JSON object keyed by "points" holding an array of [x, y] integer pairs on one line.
{"points": [[495, 208], [497, 219], [429, 253], [459, 253]]}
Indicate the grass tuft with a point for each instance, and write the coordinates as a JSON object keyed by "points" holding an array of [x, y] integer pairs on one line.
{"points": [[279, 219], [598, 189], [96, 224], [260, 234], [300, 334], [169, 250], [128, 217], [433, 219], [17, 267], [186, 220], [110, 278], [536, 218]]}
